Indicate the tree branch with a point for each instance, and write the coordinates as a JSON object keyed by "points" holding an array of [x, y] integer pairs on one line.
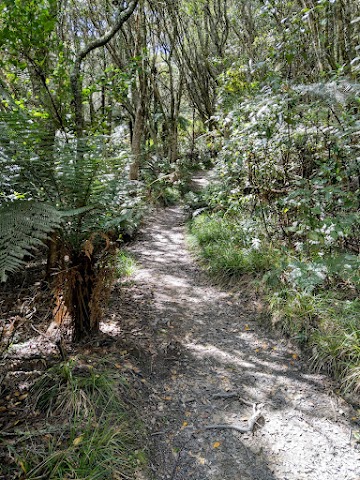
{"points": [[75, 76], [123, 16]]}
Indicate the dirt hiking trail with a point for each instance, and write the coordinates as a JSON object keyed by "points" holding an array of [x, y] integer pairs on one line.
{"points": [[205, 360]]}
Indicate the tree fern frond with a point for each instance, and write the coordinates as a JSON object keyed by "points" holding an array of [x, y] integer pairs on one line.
{"points": [[23, 226]]}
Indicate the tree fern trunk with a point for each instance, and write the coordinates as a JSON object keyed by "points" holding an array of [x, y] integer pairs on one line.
{"points": [[81, 298]]}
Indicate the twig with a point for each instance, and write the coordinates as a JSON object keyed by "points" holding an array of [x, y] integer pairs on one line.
{"points": [[225, 395], [177, 462], [58, 343], [41, 333], [250, 426], [60, 346]]}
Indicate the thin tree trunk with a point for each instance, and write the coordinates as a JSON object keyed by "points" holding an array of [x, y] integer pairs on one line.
{"points": [[75, 76], [141, 97], [136, 144]]}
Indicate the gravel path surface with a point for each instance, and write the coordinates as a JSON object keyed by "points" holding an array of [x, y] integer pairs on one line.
{"points": [[206, 360]]}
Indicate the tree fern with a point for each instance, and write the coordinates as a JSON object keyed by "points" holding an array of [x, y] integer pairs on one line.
{"points": [[23, 226], [85, 176]]}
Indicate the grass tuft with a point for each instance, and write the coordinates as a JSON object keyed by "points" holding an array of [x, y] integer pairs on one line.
{"points": [[125, 264], [227, 248], [99, 436]]}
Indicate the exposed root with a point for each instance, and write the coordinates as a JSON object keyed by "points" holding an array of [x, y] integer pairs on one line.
{"points": [[250, 426]]}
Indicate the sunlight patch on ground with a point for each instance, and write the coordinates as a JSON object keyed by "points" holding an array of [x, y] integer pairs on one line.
{"points": [[175, 281], [34, 346], [212, 351], [111, 327]]}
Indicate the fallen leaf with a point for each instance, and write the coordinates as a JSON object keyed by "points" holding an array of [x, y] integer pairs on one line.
{"points": [[77, 441], [132, 367], [88, 248]]}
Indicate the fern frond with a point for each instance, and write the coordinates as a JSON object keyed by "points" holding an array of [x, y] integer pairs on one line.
{"points": [[23, 226]]}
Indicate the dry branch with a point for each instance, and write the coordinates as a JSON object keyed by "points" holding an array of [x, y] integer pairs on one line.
{"points": [[250, 426]]}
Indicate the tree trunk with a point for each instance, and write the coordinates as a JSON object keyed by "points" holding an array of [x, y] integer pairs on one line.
{"points": [[81, 280], [140, 95], [173, 143], [136, 144], [81, 298], [52, 257]]}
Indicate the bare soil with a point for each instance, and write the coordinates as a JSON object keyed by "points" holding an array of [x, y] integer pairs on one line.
{"points": [[207, 358]]}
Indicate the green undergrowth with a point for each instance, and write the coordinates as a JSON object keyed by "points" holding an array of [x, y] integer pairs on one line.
{"points": [[314, 300], [87, 430], [227, 249], [168, 183], [125, 264]]}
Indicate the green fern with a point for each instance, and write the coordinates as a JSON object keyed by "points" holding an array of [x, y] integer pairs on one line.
{"points": [[23, 226]]}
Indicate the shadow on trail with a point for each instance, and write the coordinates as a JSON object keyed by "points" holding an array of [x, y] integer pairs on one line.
{"points": [[179, 452], [198, 341]]}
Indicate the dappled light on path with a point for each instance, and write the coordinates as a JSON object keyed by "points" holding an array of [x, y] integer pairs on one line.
{"points": [[206, 351], [209, 356]]}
